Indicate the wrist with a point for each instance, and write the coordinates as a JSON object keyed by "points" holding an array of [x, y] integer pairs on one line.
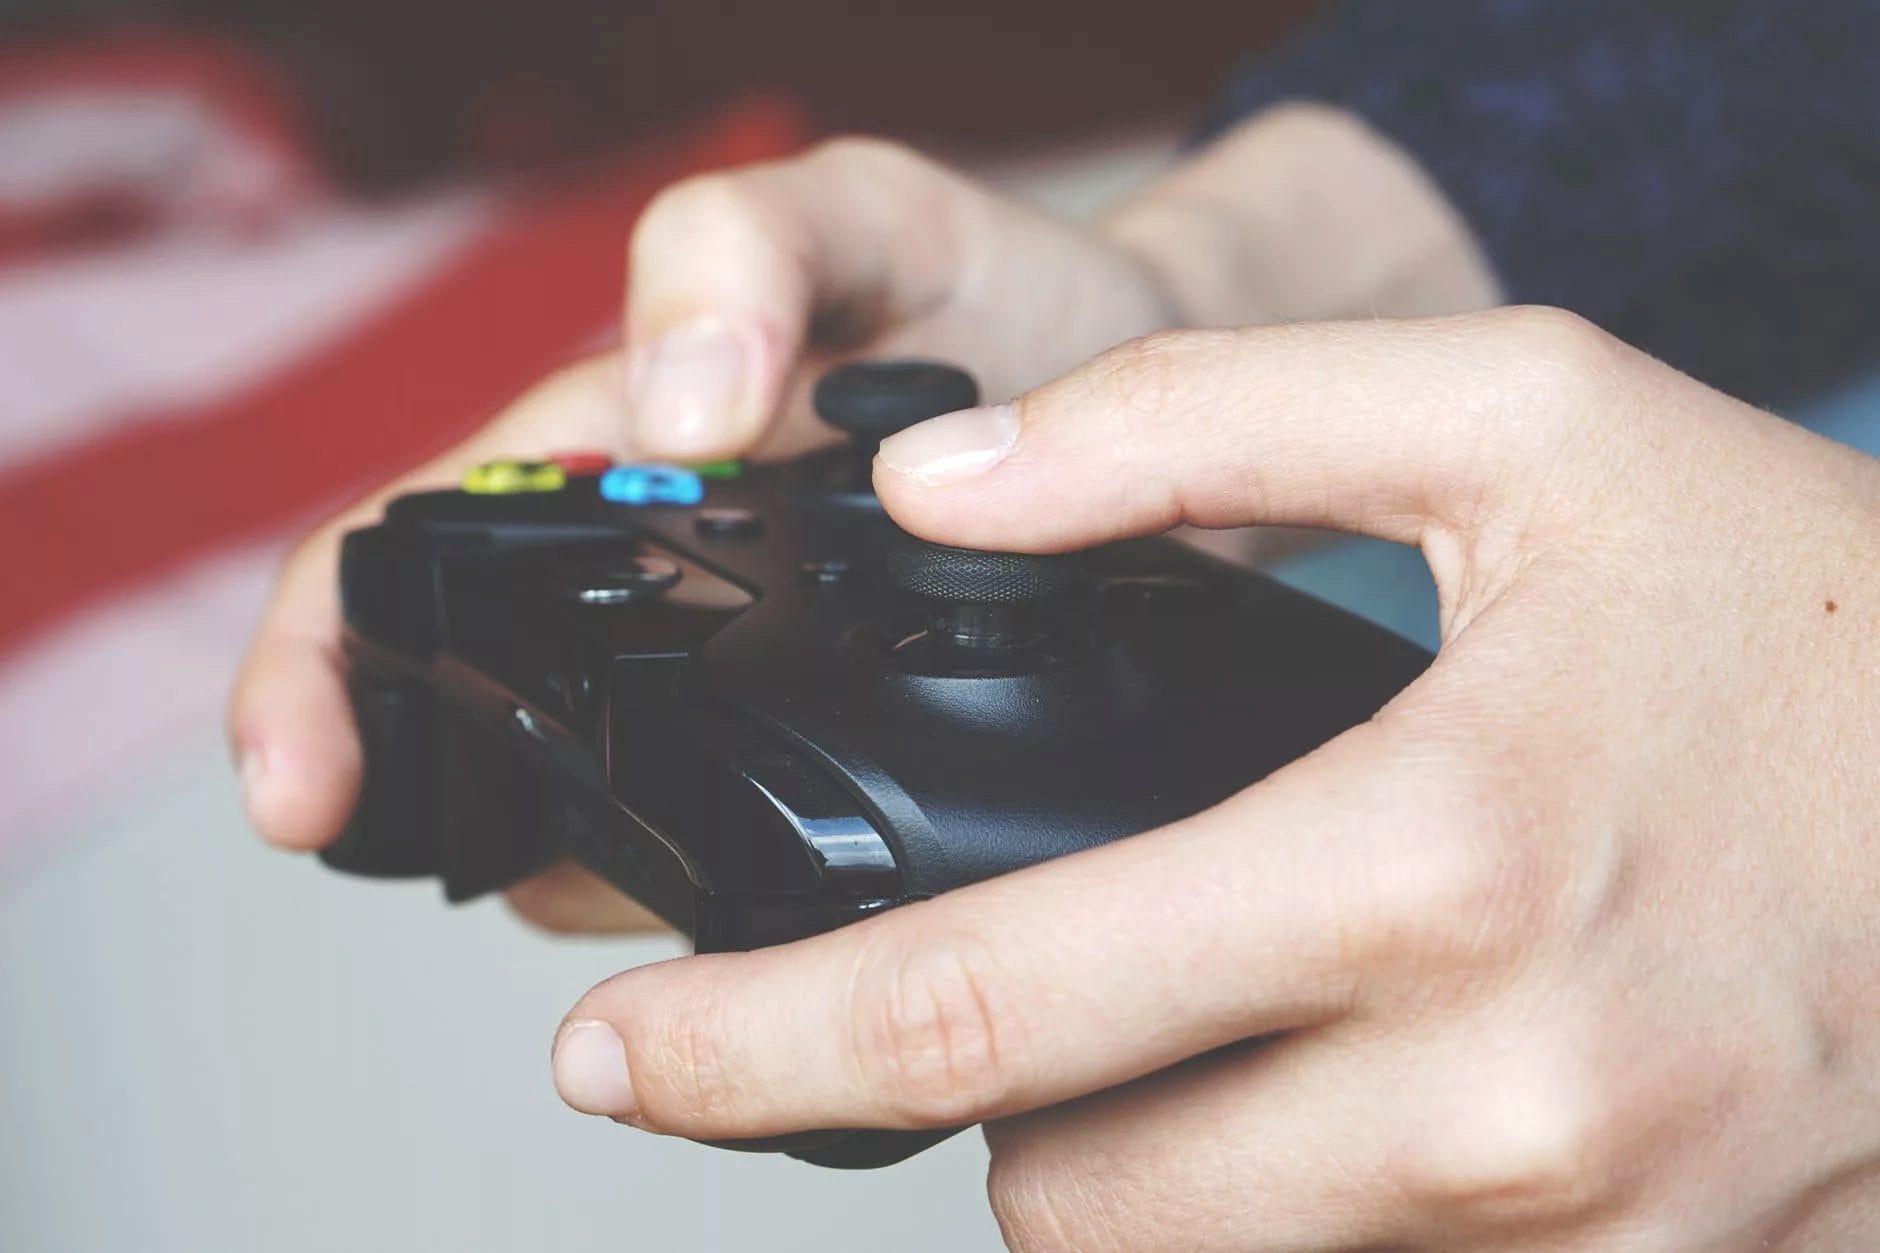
{"points": [[1302, 213]]}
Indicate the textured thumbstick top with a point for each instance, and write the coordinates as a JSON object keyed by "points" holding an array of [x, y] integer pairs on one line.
{"points": [[871, 400], [970, 576]]}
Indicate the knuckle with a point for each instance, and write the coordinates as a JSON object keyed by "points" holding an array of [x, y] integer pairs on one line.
{"points": [[1525, 433], [703, 206], [927, 219], [1557, 339], [1562, 373], [1521, 1153], [1154, 373], [1454, 884], [1576, 422], [1159, 393], [937, 1040], [1162, 382], [870, 154]]}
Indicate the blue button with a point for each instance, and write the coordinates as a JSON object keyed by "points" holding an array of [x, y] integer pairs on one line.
{"points": [[652, 485]]}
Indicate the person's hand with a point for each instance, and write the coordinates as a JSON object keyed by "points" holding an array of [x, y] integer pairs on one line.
{"points": [[743, 286], [1573, 946]]}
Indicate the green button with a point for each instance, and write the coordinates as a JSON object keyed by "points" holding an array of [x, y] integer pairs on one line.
{"points": [[717, 469]]}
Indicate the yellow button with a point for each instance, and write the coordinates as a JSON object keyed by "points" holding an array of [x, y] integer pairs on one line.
{"points": [[506, 478]]}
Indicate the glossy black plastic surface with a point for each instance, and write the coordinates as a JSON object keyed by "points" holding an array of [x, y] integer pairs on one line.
{"points": [[775, 742]]}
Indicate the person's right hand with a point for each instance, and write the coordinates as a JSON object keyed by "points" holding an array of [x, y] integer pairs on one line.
{"points": [[743, 286]]}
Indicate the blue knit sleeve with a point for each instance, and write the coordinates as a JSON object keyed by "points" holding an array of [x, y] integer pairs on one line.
{"points": [[1702, 177]]}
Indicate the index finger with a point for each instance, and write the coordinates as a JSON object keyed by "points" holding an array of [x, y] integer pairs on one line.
{"points": [[733, 273], [1280, 908], [290, 724]]}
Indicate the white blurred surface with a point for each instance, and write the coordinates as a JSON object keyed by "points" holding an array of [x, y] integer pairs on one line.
{"points": [[207, 1046]]}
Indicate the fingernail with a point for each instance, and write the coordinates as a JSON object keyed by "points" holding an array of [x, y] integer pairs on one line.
{"points": [[591, 1070], [691, 389], [953, 446]]}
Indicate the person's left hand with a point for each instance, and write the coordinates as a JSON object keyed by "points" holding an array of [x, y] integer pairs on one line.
{"points": [[1576, 945]]}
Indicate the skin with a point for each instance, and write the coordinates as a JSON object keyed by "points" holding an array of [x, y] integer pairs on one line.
{"points": [[1571, 947], [1567, 949]]}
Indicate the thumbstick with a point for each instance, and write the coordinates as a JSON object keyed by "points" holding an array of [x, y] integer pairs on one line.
{"points": [[981, 600], [972, 576], [871, 400]]}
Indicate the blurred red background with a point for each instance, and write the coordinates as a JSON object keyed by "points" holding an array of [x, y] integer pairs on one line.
{"points": [[255, 257]]}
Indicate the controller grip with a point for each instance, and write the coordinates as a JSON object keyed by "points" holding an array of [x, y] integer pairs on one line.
{"points": [[443, 796], [398, 831], [393, 832]]}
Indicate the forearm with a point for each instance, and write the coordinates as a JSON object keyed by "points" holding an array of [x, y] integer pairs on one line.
{"points": [[1303, 213]]}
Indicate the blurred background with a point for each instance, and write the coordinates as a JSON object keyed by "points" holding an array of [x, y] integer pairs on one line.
{"points": [[255, 256]]}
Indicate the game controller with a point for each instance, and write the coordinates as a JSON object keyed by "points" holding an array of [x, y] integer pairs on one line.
{"points": [[746, 698]]}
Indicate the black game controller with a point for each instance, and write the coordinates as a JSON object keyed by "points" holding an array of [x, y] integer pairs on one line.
{"points": [[747, 699]]}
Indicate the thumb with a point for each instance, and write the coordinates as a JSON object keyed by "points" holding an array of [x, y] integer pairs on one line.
{"points": [[1390, 429]]}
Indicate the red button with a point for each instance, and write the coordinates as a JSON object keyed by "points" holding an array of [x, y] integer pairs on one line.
{"points": [[582, 462]]}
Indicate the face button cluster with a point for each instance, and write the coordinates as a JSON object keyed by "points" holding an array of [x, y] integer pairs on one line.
{"points": [[645, 483]]}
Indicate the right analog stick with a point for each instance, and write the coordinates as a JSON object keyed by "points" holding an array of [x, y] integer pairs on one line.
{"points": [[977, 599], [975, 576]]}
